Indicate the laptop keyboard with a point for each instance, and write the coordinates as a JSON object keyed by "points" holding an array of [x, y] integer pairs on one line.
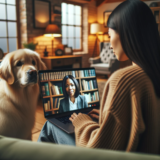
{"points": [[64, 120]]}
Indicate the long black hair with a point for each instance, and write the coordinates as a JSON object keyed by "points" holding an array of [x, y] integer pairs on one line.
{"points": [[75, 83], [134, 21]]}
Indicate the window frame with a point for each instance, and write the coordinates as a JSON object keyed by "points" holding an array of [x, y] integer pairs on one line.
{"points": [[81, 38], [17, 23]]}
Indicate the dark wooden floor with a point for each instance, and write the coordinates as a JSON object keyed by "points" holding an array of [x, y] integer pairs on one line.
{"points": [[40, 120]]}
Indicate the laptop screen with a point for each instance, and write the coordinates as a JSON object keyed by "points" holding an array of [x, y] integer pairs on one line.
{"points": [[68, 90]]}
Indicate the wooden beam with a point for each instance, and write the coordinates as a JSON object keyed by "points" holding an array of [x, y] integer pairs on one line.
{"points": [[77, 1], [101, 2], [113, 1]]}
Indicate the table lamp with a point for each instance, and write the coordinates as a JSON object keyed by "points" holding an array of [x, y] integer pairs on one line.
{"points": [[96, 28], [52, 30]]}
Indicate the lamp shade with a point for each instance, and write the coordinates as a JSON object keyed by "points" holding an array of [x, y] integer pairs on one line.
{"points": [[52, 30], [96, 28]]}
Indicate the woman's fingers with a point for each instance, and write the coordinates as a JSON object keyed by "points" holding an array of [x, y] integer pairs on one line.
{"points": [[94, 111], [94, 116], [73, 116]]}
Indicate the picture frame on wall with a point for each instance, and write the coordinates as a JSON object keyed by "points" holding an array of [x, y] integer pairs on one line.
{"points": [[57, 9], [105, 17], [41, 13]]}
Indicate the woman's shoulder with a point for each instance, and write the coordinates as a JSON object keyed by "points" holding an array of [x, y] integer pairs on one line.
{"points": [[81, 96], [63, 100], [128, 72], [129, 76]]}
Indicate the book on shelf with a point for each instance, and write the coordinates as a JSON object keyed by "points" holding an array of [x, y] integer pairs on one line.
{"points": [[47, 105], [89, 84], [46, 89], [59, 101], [56, 89], [92, 96], [56, 102], [43, 90]]}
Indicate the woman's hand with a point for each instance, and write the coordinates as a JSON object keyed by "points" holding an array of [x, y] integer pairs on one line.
{"points": [[73, 117], [94, 113]]}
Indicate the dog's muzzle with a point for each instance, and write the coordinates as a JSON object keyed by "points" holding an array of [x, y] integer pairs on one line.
{"points": [[32, 76]]}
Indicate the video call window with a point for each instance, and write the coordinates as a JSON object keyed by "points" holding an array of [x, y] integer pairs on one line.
{"points": [[56, 95]]}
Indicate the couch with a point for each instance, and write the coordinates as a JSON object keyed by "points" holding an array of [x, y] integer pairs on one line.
{"points": [[106, 63], [11, 148]]}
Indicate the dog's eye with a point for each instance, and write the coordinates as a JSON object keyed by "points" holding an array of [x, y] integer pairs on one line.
{"points": [[33, 62], [19, 63]]}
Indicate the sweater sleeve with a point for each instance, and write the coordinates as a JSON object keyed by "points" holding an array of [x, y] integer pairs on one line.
{"points": [[108, 133], [115, 122]]}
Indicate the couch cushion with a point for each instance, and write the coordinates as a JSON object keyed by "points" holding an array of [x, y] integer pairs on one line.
{"points": [[11, 148], [107, 53]]}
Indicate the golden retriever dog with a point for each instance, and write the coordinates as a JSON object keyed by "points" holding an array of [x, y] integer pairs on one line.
{"points": [[19, 91]]}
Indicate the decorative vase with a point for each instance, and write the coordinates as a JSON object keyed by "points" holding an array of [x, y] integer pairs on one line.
{"points": [[45, 53]]}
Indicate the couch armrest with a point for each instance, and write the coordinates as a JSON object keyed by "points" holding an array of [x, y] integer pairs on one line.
{"points": [[11, 148], [95, 60]]}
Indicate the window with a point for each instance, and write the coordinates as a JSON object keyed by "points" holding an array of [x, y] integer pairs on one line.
{"points": [[8, 26], [72, 26]]}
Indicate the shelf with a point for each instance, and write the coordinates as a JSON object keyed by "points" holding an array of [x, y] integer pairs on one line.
{"points": [[54, 109], [58, 95], [58, 80], [52, 80], [87, 77], [46, 96], [92, 102], [89, 90]]}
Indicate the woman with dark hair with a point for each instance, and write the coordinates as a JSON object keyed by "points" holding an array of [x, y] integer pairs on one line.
{"points": [[73, 100], [130, 106]]}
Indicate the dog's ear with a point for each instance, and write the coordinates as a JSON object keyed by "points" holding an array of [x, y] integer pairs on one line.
{"points": [[6, 69], [40, 63]]}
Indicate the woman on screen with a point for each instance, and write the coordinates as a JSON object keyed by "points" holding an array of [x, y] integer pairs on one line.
{"points": [[73, 100]]}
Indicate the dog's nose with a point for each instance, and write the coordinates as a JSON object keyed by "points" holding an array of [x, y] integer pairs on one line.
{"points": [[32, 72]]}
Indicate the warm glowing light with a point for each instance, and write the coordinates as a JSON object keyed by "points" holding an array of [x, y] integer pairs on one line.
{"points": [[96, 28], [52, 35]]}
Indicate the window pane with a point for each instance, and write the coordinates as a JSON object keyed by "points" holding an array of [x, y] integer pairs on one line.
{"points": [[2, 1], [12, 32], [70, 19], [71, 43], [78, 43], [78, 20], [3, 44], [78, 10], [3, 12], [11, 12], [64, 8], [3, 31], [70, 31], [71, 8], [64, 41], [64, 18], [78, 32], [12, 44], [11, 2], [64, 31]]}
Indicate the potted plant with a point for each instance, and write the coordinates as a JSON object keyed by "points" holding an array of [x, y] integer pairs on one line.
{"points": [[30, 45]]}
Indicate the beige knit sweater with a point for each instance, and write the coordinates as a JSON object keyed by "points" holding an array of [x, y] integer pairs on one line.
{"points": [[129, 115]]}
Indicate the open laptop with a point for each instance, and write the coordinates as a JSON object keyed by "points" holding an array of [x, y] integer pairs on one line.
{"points": [[50, 82]]}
